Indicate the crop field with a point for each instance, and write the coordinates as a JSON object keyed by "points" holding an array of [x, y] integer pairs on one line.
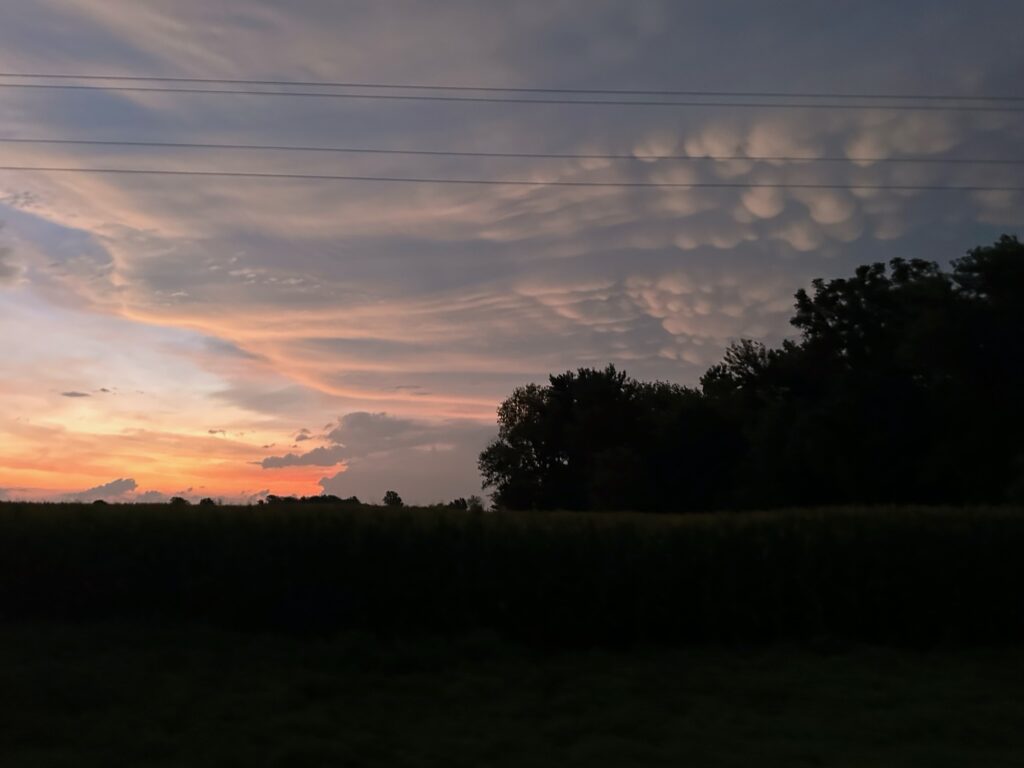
{"points": [[902, 576], [312, 635]]}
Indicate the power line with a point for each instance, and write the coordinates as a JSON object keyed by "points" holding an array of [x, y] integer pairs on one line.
{"points": [[512, 182], [508, 89], [510, 155], [520, 100]]}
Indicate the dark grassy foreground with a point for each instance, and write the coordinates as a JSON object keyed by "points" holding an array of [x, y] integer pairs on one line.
{"points": [[893, 576], [130, 695], [319, 636]]}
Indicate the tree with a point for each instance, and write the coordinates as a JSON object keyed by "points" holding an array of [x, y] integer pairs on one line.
{"points": [[178, 501], [392, 499], [903, 386], [598, 439], [554, 440]]}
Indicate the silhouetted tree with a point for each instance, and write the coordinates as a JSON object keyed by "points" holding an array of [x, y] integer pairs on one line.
{"points": [[602, 440], [392, 499], [178, 501], [903, 386]]}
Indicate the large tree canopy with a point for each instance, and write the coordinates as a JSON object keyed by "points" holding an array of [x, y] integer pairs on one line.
{"points": [[904, 385]]}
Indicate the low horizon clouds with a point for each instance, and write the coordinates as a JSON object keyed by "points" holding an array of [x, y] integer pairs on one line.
{"points": [[113, 489]]}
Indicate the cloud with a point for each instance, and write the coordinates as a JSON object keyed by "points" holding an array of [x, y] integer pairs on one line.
{"points": [[150, 497], [439, 464], [74, 393], [259, 306], [10, 270], [356, 435], [429, 459], [318, 457], [113, 489]]}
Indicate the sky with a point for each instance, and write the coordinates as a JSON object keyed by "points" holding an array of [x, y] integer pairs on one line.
{"points": [[227, 337]]}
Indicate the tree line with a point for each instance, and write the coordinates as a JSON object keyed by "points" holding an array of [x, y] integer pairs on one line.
{"points": [[905, 384]]}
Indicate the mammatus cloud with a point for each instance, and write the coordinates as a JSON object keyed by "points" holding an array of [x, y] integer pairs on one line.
{"points": [[113, 489]]}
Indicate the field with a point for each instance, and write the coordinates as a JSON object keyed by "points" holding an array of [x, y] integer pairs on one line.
{"points": [[81, 696], [920, 577], [318, 635]]}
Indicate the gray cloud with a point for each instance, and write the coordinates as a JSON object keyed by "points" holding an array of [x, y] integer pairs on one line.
{"points": [[10, 270], [113, 489], [363, 440], [428, 461], [318, 457], [73, 393], [422, 474], [355, 435]]}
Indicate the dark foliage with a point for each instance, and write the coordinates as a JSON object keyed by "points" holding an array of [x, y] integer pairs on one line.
{"points": [[352, 501], [903, 387], [892, 575], [392, 499]]}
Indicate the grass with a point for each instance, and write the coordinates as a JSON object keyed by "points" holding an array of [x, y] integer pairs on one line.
{"points": [[81, 695], [918, 577], [322, 636]]}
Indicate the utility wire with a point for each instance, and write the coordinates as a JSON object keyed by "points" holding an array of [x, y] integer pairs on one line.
{"points": [[517, 155], [506, 89], [521, 100], [514, 183]]}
